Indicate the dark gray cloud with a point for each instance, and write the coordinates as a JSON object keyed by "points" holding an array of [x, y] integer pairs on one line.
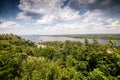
{"points": [[113, 12], [34, 15], [93, 4], [110, 8]]}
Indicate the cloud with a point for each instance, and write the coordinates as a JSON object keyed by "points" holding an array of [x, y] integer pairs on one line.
{"points": [[47, 19], [60, 15], [48, 11], [72, 16], [76, 29], [22, 15], [39, 10], [40, 6], [28, 15], [8, 25], [93, 4], [112, 23], [92, 22], [110, 8]]}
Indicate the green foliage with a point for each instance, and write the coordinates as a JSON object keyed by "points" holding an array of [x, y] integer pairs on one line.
{"points": [[47, 52], [68, 60]]}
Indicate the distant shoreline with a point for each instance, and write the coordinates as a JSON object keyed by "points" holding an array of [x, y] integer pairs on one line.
{"points": [[89, 36]]}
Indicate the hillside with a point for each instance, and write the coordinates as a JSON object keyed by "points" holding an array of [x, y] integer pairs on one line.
{"points": [[69, 60]]}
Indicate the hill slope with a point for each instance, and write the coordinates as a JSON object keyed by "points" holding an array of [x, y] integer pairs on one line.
{"points": [[23, 60]]}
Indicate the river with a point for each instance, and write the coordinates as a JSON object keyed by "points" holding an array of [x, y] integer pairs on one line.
{"points": [[36, 38]]}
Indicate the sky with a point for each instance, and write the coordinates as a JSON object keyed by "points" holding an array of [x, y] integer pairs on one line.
{"points": [[50, 17]]}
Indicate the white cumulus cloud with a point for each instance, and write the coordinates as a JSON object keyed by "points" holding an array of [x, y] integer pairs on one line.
{"points": [[51, 10], [68, 19], [8, 24], [22, 15]]}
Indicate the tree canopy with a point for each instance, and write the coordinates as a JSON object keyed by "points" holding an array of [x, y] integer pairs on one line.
{"points": [[69, 60]]}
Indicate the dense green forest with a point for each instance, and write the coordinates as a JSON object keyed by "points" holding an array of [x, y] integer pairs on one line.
{"points": [[69, 60]]}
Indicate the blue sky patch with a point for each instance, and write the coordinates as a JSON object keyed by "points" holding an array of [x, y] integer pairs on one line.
{"points": [[82, 11], [65, 3]]}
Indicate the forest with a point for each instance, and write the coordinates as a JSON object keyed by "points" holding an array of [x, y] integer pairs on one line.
{"points": [[22, 59], [91, 36]]}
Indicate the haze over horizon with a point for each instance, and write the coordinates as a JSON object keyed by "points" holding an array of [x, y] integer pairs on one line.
{"points": [[50, 17]]}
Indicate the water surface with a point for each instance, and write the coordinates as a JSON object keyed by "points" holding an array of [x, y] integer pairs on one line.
{"points": [[36, 38]]}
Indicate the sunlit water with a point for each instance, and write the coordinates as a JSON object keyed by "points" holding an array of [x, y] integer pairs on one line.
{"points": [[36, 38]]}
